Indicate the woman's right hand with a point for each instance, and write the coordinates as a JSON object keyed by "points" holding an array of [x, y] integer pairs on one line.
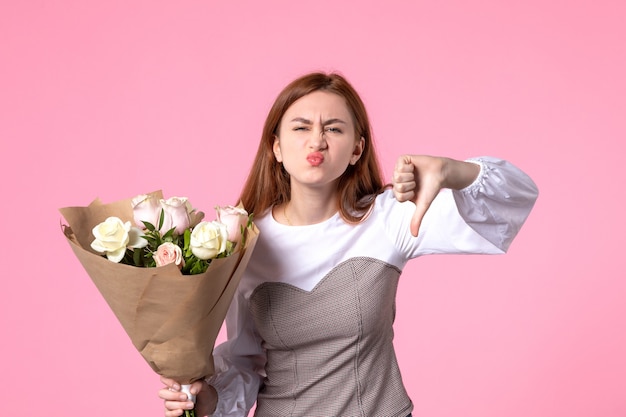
{"points": [[176, 401]]}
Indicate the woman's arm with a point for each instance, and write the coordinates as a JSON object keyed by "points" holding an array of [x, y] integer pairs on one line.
{"points": [[419, 178], [473, 206], [239, 363]]}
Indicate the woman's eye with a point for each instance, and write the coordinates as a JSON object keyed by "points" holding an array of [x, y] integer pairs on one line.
{"points": [[297, 128], [333, 129]]}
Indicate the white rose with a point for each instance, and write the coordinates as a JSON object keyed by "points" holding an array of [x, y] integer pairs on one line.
{"points": [[208, 239], [113, 236]]}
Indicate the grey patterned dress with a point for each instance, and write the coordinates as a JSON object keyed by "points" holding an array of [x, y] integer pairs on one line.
{"points": [[310, 330]]}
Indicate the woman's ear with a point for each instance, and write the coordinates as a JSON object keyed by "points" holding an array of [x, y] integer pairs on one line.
{"points": [[358, 151], [276, 148]]}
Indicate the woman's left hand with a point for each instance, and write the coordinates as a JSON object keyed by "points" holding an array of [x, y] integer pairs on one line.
{"points": [[419, 178]]}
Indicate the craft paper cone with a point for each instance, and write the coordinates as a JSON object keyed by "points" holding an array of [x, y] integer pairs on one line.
{"points": [[172, 319]]}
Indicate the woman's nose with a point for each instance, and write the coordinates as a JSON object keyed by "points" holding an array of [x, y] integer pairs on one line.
{"points": [[317, 140]]}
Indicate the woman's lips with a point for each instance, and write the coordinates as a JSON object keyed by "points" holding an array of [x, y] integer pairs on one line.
{"points": [[315, 158]]}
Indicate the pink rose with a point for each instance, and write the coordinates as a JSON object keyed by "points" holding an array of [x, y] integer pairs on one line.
{"points": [[168, 253], [235, 219], [146, 208], [176, 214]]}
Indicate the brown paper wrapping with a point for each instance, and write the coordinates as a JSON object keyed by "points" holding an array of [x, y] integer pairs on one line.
{"points": [[172, 319]]}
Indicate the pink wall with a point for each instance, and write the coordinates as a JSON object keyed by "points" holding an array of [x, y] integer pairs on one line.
{"points": [[113, 98]]}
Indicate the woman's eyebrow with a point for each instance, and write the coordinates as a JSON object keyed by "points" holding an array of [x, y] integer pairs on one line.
{"points": [[333, 121], [306, 121], [301, 120]]}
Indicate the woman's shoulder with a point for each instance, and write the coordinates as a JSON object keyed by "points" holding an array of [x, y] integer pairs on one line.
{"points": [[386, 204]]}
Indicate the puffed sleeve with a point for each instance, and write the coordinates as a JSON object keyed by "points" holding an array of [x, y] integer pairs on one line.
{"points": [[498, 203], [482, 218], [239, 363]]}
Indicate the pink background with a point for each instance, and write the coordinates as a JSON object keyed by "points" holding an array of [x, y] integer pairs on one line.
{"points": [[113, 98]]}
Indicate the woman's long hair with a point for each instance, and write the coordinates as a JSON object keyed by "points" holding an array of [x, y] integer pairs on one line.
{"points": [[268, 183]]}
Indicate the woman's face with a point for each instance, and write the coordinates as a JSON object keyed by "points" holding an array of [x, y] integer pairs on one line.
{"points": [[317, 140]]}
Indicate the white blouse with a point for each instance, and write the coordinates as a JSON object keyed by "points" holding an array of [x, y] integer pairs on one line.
{"points": [[482, 218]]}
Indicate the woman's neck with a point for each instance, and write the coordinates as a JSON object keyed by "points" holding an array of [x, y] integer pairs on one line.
{"points": [[307, 207]]}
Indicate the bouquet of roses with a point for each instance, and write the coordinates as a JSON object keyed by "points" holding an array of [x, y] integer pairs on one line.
{"points": [[171, 231], [167, 275]]}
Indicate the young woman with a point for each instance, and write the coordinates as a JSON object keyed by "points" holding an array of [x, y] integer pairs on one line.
{"points": [[310, 328]]}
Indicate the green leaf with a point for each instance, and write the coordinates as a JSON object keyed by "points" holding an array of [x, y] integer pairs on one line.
{"points": [[187, 240], [161, 218], [169, 234], [128, 257], [138, 257], [196, 269]]}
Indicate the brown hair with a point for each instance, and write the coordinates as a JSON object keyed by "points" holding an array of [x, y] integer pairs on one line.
{"points": [[268, 182]]}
